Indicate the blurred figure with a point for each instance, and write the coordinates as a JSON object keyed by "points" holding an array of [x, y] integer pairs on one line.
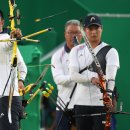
{"points": [[47, 114], [7, 81], [61, 75]]}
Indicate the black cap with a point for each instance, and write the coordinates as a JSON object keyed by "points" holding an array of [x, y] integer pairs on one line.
{"points": [[1, 14], [92, 20]]}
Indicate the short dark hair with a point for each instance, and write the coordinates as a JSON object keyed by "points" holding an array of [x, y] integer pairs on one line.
{"points": [[1, 14]]}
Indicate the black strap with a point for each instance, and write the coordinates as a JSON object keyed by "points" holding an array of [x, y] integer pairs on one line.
{"points": [[101, 56], [76, 83]]}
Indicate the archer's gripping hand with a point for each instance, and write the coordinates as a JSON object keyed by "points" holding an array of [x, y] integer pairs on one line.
{"points": [[106, 98], [16, 33], [20, 84], [108, 102]]}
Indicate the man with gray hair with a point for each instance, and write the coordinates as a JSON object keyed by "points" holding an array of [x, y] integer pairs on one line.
{"points": [[60, 73]]}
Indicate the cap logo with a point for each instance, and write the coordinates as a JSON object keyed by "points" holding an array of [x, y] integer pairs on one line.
{"points": [[92, 18]]}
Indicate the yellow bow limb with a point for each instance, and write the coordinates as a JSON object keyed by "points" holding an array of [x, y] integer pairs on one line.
{"points": [[25, 90]]}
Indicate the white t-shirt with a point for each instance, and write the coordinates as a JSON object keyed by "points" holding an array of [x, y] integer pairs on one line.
{"points": [[86, 93], [61, 75], [5, 66]]}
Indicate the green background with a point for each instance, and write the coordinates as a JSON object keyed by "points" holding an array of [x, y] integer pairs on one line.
{"points": [[116, 31]]}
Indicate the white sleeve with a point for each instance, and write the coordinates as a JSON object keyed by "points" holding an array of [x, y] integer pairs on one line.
{"points": [[112, 65], [58, 72], [112, 58], [6, 45], [74, 69], [111, 71], [81, 78], [22, 69]]}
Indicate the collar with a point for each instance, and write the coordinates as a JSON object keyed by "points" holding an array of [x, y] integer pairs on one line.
{"points": [[67, 49], [100, 42]]}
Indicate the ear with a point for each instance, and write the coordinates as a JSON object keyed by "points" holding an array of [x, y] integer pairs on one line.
{"points": [[2, 21]]}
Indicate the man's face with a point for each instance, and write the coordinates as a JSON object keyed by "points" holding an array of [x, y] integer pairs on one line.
{"points": [[71, 31], [94, 33]]}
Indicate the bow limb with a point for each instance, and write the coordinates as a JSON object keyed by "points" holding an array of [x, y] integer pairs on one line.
{"points": [[12, 26], [33, 85], [14, 59]]}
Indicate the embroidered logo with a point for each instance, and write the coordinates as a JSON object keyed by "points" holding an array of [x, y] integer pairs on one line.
{"points": [[1, 115], [92, 18]]}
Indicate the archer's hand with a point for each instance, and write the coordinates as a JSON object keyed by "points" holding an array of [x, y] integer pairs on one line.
{"points": [[108, 103], [95, 81], [20, 85], [16, 33]]}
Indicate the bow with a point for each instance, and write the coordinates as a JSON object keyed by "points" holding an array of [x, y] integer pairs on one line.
{"points": [[106, 98], [12, 6], [120, 111], [31, 86], [26, 102]]}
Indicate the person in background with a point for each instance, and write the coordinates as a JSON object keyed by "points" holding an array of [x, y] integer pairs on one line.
{"points": [[61, 76]]}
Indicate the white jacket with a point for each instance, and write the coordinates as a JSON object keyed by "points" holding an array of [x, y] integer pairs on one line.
{"points": [[86, 93], [5, 66], [61, 75]]}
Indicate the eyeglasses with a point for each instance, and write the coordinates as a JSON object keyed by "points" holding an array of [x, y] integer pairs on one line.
{"points": [[74, 33]]}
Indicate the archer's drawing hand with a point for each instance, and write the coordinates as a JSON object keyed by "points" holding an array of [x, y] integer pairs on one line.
{"points": [[16, 33]]}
